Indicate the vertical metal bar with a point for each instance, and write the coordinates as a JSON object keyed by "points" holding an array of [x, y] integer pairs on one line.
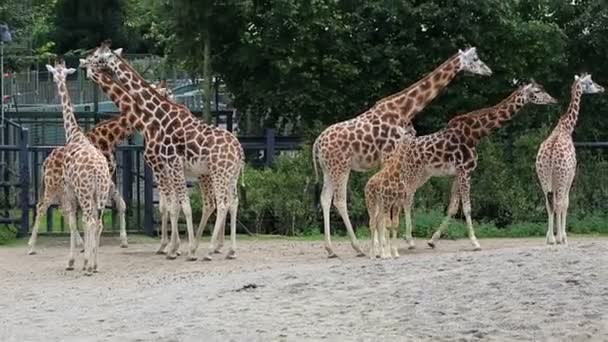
{"points": [[127, 176], [36, 174], [25, 183], [148, 201], [270, 145], [138, 187], [229, 120], [49, 211]]}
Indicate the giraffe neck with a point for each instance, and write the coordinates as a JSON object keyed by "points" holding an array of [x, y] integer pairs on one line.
{"points": [[148, 99], [481, 123], [131, 118], [413, 99], [70, 125], [568, 121]]}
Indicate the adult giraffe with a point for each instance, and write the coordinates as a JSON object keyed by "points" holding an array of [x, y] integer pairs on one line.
{"points": [[556, 160], [176, 144], [367, 140]]}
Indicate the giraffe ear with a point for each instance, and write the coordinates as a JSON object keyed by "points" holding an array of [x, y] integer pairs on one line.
{"points": [[575, 77], [69, 71], [81, 62], [50, 68], [118, 52]]}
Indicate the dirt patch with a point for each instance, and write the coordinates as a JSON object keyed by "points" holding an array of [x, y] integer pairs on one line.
{"points": [[288, 290]]}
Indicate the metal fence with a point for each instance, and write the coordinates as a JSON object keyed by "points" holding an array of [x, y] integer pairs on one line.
{"points": [[22, 181]]}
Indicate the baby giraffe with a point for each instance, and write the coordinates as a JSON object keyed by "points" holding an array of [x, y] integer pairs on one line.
{"points": [[556, 160], [86, 176], [383, 194]]}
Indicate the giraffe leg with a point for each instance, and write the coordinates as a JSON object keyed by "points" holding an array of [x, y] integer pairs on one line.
{"points": [[550, 239], [393, 231], [562, 213], [465, 189], [222, 189], [164, 214], [174, 209], [187, 209], [41, 208], [407, 208], [452, 210], [220, 221], [373, 219], [234, 207], [327, 195], [384, 254], [340, 204], [70, 212], [121, 207], [89, 241]]}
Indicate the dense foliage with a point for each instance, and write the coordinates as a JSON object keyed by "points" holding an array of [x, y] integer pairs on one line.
{"points": [[301, 65]]}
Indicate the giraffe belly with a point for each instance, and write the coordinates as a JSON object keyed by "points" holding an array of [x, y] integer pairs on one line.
{"points": [[360, 164], [195, 168], [442, 171]]}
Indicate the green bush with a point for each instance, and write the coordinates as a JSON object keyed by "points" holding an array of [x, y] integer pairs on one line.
{"points": [[505, 195], [7, 234]]}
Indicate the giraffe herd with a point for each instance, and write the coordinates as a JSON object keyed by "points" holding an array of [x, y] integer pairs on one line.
{"points": [[179, 146]]}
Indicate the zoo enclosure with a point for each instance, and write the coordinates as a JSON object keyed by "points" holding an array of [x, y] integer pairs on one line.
{"points": [[22, 180]]}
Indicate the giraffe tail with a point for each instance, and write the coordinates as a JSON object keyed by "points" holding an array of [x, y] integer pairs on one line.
{"points": [[243, 175], [314, 161]]}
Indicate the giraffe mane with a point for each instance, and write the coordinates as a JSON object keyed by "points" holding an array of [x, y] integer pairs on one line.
{"points": [[420, 81], [486, 110]]}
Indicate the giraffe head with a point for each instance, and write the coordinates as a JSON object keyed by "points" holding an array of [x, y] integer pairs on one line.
{"points": [[587, 84], [535, 93], [470, 62], [59, 72], [102, 57]]}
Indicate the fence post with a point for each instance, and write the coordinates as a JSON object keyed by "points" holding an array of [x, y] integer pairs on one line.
{"points": [[148, 201], [229, 120], [270, 145], [25, 183]]}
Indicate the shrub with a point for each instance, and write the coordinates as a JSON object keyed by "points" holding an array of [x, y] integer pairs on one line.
{"points": [[8, 233]]}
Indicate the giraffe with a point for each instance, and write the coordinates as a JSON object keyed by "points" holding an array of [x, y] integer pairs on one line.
{"points": [[127, 105], [177, 145], [556, 160], [365, 141], [86, 176], [452, 151], [105, 136]]}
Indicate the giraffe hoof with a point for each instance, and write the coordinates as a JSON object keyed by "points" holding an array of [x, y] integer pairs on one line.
{"points": [[410, 247], [217, 251], [69, 268], [476, 248], [360, 255], [160, 252], [171, 256], [191, 258], [231, 255], [207, 258], [431, 244], [82, 250], [31, 252], [124, 245], [332, 256]]}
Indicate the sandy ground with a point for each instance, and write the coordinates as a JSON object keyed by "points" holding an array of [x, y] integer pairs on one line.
{"points": [[280, 290]]}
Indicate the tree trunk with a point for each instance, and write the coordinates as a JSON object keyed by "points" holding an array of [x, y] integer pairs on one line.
{"points": [[207, 78]]}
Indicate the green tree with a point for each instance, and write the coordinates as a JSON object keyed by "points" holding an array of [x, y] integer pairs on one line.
{"points": [[84, 24]]}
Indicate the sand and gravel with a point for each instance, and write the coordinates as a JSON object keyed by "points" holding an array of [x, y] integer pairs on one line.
{"points": [[285, 290]]}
